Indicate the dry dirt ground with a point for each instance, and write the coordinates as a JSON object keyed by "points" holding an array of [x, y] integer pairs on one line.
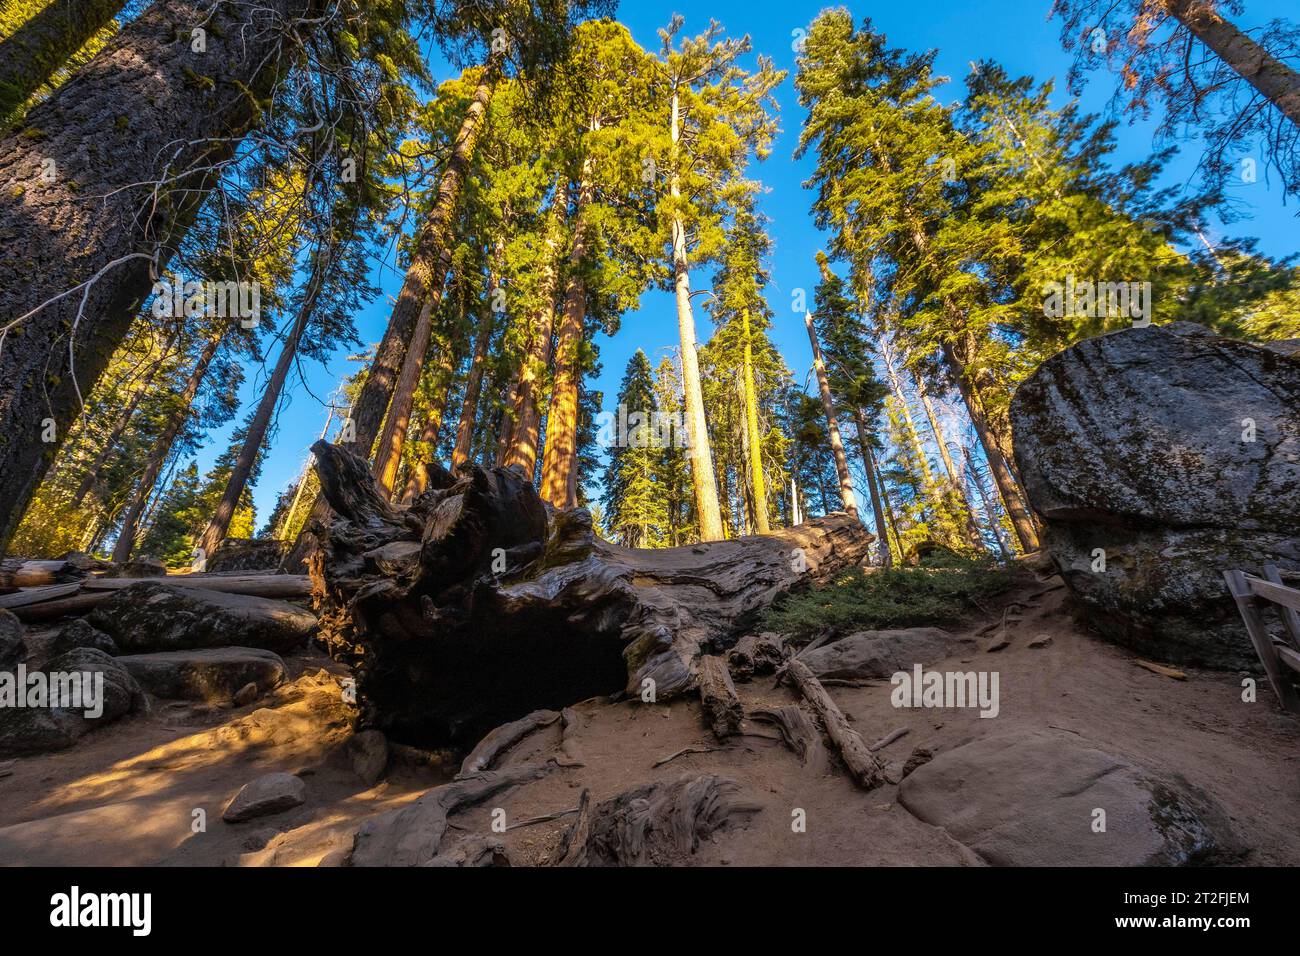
{"points": [[130, 793]]}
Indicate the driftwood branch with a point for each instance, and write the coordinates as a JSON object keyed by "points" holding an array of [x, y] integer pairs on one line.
{"points": [[864, 766]]}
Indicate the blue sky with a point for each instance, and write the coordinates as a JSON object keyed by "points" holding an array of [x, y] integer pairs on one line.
{"points": [[1014, 32]]}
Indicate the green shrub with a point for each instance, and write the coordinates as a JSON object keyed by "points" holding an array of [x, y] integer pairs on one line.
{"points": [[939, 594]]}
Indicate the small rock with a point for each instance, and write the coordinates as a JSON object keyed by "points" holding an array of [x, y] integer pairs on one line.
{"points": [[142, 567], [1044, 641], [247, 694], [369, 753], [268, 794]]}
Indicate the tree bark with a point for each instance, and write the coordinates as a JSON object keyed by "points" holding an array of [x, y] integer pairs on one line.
{"points": [[478, 605], [873, 484], [1276, 81], [418, 480], [154, 109], [560, 461], [162, 447], [707, 511], [368, 411], [526, 413], [755, 449], [473, 386], [257, 428], [1016, 511], [32, 54], [832, 427]]}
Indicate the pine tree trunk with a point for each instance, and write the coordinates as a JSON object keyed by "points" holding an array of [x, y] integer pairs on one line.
{"points": [[506, 430], [32, 54], [426, 278], [418, 479], [989, 511], [146, 100], [473, 386], [832, 427], [92, 474], [755, 450], [972, 530], [703, 482], [257, 428], [526, 411], [560, 462], [873, 485], [426, 268], [913, 436], [162, 448], [1016, 511], [1279, 83]]}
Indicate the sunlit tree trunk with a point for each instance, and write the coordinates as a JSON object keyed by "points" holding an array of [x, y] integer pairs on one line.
{"points": [[703, 482], [473, 386], [954, 478], [416, 481], [162, 447], [525, 411], [1021, 522], [32, 54], [874, 486], [832, 426], [758, 483], [261, 422], [560, 461], [1266, 73], [137, 105]]}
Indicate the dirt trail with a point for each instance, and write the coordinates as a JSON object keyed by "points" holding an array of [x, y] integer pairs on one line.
{"points": [[127, 794]]}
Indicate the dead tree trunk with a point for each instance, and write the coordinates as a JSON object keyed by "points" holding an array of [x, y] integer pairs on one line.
{"points": [[478, 604]]}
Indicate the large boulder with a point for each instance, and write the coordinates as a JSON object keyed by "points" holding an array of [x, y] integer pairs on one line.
{"points": [[1048, 798], [53, 722], [869, 655], [208, 674], [153, 616], [1174, 454]]}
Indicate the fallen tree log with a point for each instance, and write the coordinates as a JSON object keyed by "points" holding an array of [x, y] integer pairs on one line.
{"points": [[286, 587], [865, 767], [477, 605]]}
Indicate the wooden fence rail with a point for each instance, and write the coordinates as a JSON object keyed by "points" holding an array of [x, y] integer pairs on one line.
{"points": [[1279, 657]]}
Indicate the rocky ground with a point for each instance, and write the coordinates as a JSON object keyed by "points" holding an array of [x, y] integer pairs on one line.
{"points": [[1185, 770]]}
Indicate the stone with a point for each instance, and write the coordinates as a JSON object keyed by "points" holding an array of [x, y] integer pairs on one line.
{"points": [[142, 567], [152, 616], [246, 554], [880, 654], [368, 751], [247, 694], [81, 633], [12, 648], [268, 794], [40, 729], [1029, 798], [1173, 454], [207, 674]]}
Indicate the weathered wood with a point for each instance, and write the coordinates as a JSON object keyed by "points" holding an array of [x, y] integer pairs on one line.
{"points": [[888, 739], [800, 734], [1277, 593], [692, 749], [718, 697], [24, 573], [1161, 669], [81, 603], [284, 586], [1290, 616], [413, 834], [505, 607], [573, 848], [502, 739], [756, 654], [1242, 590], [865, 767], [37, 595]]}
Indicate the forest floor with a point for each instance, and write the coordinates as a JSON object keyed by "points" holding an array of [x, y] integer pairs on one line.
{"points": [[128, 794]]}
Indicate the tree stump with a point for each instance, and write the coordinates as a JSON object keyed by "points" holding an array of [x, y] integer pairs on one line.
{"points": [[478, 603]]}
